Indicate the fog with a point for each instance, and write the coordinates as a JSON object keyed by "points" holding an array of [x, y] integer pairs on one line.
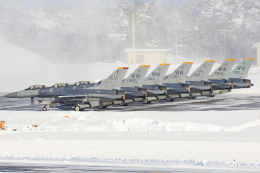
{"points": [[85, 31], [49, 41]]}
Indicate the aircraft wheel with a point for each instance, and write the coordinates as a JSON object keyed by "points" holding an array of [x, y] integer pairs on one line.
{"points": [[168, 99], [145, 101], [77, 108], [101, 107], [44, 108], [123, 104]]}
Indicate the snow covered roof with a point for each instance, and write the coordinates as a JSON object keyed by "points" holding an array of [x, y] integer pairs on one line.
{"points": [[257, 44], [146, 50]]}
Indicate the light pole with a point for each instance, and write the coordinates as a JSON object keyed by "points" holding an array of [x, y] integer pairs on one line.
{"points": [[224, 41], [176, 37], [197, 29]]}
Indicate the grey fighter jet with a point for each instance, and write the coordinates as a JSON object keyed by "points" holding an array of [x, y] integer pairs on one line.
{"points": [[131, 87], [217, 80], [178, 80], [153, 83], [77, 97], [146, 89], [198, 80], [220, 78], [239, 73]]}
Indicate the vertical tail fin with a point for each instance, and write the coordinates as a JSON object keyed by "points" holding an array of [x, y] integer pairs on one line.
{"points": [[242, 69], [156, 76], [136, 78], [201, 73], [180, 74], [223, 70], [115, 79]]}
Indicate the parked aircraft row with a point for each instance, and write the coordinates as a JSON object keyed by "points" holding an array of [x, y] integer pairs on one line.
{"points": [[137, 87]]}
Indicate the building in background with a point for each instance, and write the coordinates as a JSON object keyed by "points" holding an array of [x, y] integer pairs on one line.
{"points": [[150, 56], [139, 55], [257, 45]]}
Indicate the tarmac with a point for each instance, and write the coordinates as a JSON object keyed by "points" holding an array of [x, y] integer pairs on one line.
{"points": [[222, 102]]}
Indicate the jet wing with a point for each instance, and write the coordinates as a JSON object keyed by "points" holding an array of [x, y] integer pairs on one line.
{"points": [[222, 86], [156, 92], [199, 88], [241, 85], [92, 96], [177, 90], [72, 96], [135, 94]]}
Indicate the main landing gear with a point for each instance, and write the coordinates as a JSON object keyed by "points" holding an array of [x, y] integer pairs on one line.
{"points": [[77, 108], [145, 101], [169, 99]]}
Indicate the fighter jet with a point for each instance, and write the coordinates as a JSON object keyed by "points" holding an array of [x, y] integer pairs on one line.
{"points": [[239, 73], [217, 81], [131, 87], [177, 80], [199, 78], [145, 89], [77, 97], [220, 78]]}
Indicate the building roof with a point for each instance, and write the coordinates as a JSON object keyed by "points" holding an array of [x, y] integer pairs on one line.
{"points": [[257, 44], [146, 50]]}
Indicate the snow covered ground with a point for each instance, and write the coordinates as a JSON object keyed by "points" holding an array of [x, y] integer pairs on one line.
{"points": [[203, 140]]}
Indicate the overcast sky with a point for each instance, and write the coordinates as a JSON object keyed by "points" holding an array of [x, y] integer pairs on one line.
{"points": [[73, 2]]}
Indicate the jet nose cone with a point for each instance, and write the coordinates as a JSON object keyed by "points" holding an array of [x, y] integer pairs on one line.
{"points": [[12, 95]]}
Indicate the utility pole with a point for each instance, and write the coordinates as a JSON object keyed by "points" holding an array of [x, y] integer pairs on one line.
{"points": [[224, 41], [176, 38], [197, 29], [176, 47]]}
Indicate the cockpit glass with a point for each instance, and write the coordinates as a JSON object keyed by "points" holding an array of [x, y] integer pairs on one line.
{"points": [[34, 87], [58, 85], [81, 83]]}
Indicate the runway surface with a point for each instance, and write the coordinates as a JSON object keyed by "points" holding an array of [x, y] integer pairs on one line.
{"points": [[25, 167], [223, 102]]}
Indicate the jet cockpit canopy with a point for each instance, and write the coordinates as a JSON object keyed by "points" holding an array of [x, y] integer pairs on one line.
{"points": [[35, 87], [82, 83], [59, 85]]}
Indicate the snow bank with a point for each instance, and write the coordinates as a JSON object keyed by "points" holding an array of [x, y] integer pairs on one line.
{"points": [[244, 126], [209, 139], [150, 125]]}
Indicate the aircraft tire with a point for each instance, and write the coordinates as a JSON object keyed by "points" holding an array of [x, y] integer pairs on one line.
{"points": [[77, 108], [123, 104], [145, 101], [169, 99], [102, 107], [44, 108]]}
